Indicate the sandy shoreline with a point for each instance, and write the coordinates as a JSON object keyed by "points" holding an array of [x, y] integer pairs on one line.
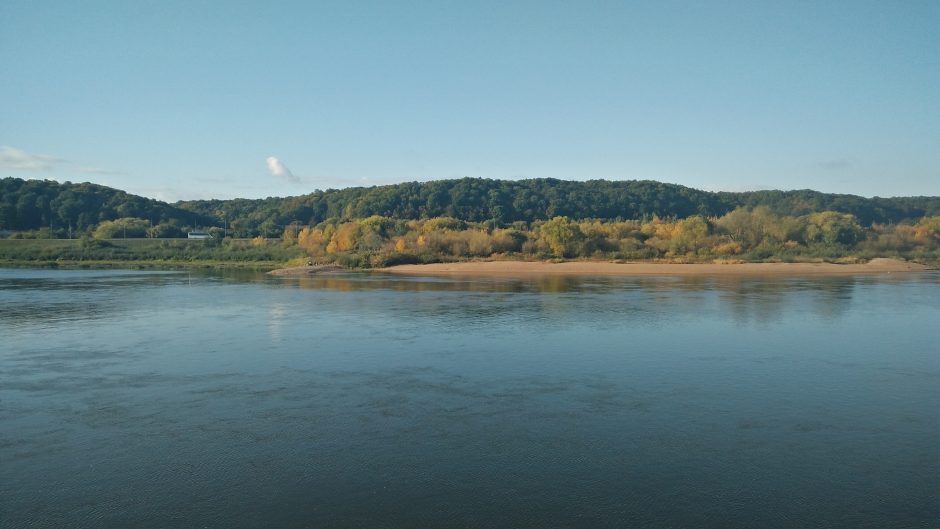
{"points": [[592, 268]]}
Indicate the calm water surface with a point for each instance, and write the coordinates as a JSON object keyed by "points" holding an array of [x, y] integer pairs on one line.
{"points": [[165, 400]]}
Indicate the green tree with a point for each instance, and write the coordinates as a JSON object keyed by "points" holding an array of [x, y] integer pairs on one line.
{"points": [[689, 235], [830, 227], [561, 234], [120, 228]]}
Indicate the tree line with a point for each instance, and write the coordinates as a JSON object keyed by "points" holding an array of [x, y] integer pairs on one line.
{"points": [[60, 209], [48, 209], [505, 201], [745, 234]]}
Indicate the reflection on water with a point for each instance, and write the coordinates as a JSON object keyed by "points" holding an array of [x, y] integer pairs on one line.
{"points": [[85, 294], [143, 399], [747, 298]]}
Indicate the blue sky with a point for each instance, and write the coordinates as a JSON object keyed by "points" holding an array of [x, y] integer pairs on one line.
{"points": [[192, 99]]}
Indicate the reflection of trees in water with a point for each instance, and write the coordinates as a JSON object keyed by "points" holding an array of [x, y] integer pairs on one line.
{"points": [[765, 300], [750, 300], [833, 297], [568, 299], [745, 299], [356, 282]]}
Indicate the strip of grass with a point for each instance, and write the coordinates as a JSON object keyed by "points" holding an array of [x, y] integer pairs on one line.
{"points": [[146, 253]]}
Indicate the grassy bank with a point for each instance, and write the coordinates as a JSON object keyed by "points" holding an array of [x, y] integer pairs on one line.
{"points": [[147, 253]]}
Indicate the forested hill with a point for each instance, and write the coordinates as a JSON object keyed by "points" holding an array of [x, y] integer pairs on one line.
{"points": [[506, 201], [34, 204]]}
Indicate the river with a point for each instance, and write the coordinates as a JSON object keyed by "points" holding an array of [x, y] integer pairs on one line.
{"points": [[179, 399]]}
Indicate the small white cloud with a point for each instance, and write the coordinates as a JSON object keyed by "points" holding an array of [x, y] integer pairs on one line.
{"points": [[19, 159], [279, 170]]}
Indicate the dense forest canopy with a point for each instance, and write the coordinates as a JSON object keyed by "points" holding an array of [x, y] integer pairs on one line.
{"points": [[507, 201], [36, 204], [60, 207]]}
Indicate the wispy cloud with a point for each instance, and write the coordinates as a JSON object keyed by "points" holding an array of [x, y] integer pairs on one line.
{"points": [[21, 160], [279, 170], [24, 161]]}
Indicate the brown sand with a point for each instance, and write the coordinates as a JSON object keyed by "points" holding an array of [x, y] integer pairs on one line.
{"points": [[597, 268]]}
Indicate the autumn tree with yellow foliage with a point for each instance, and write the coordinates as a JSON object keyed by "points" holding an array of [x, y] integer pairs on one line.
{"points": [[755, 234]]}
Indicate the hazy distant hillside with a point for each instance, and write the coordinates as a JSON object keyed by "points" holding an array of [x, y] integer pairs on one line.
{"points": [[506, 201], [33, 204]]}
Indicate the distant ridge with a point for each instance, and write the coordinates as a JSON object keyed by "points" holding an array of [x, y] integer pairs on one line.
{"points": [[33, 204], [507, 201]]}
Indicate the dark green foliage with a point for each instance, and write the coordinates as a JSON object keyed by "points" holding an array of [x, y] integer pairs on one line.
{"points": [[505, 201], [170, 251], [475, 200], [867, 210], [34, 204]]}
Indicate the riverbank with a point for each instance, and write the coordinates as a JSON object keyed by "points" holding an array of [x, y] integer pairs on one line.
{"points": [[595, 268]]}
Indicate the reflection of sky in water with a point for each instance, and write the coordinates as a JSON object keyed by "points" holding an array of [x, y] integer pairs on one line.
{"points": [[276, 317], [183, 399]]}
